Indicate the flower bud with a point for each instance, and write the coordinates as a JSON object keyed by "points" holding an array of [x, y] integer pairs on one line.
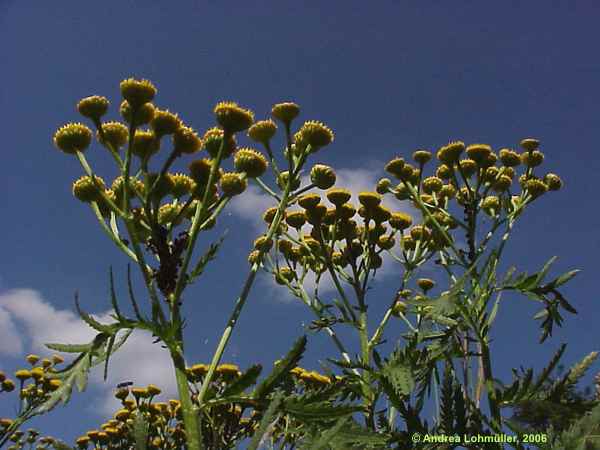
{"points": [[449, 154], [85, 190], [164, 122], [232, 117], [553, 182], [186, 140], [262, 131], [212, 143], [322, 176], [395, 167], [529, 144], [73, 137], [509, 157], [400, 221], [115, 135], [93, 107], [143, 114], [533, 158], [369, 199], [316, 134], [251, 162], [137, 92], [383, 186], [479, 152], [285, 112], [232, 184], [432, 184], [422, 157]]}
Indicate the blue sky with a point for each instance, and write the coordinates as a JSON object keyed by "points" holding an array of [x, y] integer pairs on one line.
{"points": [[387, 77]]}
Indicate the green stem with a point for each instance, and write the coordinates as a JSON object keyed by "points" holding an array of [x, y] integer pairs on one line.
{"points": [[189, 412]]}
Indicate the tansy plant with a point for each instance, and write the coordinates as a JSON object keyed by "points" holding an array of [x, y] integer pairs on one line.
{"points": [[457, 218], [462, 215], [155, 218]]}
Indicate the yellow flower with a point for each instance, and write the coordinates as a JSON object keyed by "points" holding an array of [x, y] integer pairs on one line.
{"points": [[345, 211], [400, 221], [386, 242], [369, 199], [32, 359], [212, 143], [322, 176], [137, 92], [422, 157], [296, 219], [8, 385], [309, 201], [479, 152], [432, 184], [182, 185], [530, 144], [316, 134], [285, 112], [85, 190], [232, 184], [502, 184], [399, 308], [143, 114], [448, 191], [383, 186], [444, 172], [168, 212], [395, 167], [153, 390], [37, 373], [449, 154], [22, 375], [535, 187], [145, 144], [186, 140], [72, 137], [140, 392], [200, 171], [251, 162], [115, 135], [491, 205], [263, 244], [425, 284], [285, 274], [262, 131], [228, 370], [553, 181], [93, 107], [533, 158], [509, 157], [420, 233], [254, 257], [232, 117], [165, 122], [468, 167], [338, 196]]}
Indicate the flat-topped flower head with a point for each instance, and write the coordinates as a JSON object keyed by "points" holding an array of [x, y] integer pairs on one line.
{"points": [[73, 137], [529, 144], [309, 201], [31, 359], [296, 219], [165, 122], [168, 213], [93, 107], [182, 185], [232, 117], [395, 167], [553, 182], [536, 187], [449, 154], [479, 152], [269, 215], [369, 199], [502, 184], [143, 114], [232, 184], [420, 233], [426, 284], [145, 144], [491, 205], [262, 131], [322, 176], [137, 92], [200, 171], [509, 157], [532, 158], [444, 172], [468, 167], [85, 190], [285, 112], [338, 196], [263, 244], [250, 162], [432, 184], [316, 134], [212, 143], [186, 140], [400, 221], [383, 186], [115, 135], [422, 157]]}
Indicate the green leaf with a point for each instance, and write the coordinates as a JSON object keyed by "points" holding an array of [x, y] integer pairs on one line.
{"points": [[318, 411], [90, 320], [327, 437], [549, 368], [210, 254], [281, 369], [247, 379], [542, 274], [266, 421], [69, 348], [113, 295], [399, 376], [565, 277]]}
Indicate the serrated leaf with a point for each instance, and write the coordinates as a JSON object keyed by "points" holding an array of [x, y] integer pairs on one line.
{"points": [[322, 411], [266, 421], [246, 380], [400, 377], [93, 323], [281, 369], [210, 254]]}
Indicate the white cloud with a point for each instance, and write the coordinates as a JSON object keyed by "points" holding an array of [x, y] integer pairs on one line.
{"points": [[139, 360]]}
